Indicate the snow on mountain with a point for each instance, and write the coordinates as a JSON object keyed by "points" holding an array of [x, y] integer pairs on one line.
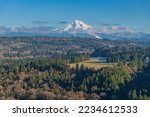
{"points": [[79, 28], [78, 25]]}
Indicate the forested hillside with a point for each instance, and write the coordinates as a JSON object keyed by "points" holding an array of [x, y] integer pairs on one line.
{"points": [[45, 72], [54, 79]]}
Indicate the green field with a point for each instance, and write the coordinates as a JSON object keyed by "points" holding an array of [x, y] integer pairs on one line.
{"points": [[95, 63]]}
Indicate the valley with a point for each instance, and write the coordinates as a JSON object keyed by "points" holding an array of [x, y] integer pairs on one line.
{"points": [[45, 68]]}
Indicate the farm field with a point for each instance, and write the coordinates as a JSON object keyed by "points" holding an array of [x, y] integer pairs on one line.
{"points": [[95, 63]]}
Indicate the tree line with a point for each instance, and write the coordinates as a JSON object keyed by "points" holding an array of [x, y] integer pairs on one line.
{"points": [[45, 78]]}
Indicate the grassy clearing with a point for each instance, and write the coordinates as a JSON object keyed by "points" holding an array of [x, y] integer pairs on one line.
{"points": [[91, 64]]}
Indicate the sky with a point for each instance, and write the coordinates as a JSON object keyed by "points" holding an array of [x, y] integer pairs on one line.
{"points": [[29, 13]]}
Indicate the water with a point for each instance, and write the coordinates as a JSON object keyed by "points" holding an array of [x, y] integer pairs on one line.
{"points": [[99, 59]]}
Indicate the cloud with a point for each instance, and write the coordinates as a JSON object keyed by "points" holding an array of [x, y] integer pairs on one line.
{"points": [[40, 29], [3, 28], [110, 24], [116, 29], [116, 24], [105, 24], [62, 22], [39, 22]]}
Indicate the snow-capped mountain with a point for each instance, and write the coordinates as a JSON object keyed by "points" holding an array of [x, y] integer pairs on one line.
{"points": [[78, 25], [77, 29], [81, 29]]}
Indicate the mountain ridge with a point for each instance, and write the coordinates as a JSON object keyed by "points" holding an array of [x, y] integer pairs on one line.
{"points": [[76, 28]]}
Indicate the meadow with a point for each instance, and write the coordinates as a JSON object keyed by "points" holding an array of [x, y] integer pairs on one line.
{"points": [[95, 62]]}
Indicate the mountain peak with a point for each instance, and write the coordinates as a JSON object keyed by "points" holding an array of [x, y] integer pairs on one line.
{"points": [[79, 28], [78, 25]]}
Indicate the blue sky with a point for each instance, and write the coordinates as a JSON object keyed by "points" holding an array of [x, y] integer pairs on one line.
{"points": [[132, 13]]}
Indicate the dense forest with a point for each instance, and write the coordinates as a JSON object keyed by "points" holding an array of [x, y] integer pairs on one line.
{"points": [[48, 76], [54, 79]]}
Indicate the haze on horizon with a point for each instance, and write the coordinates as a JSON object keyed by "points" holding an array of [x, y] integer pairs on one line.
{"points": [[57, 13]]}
